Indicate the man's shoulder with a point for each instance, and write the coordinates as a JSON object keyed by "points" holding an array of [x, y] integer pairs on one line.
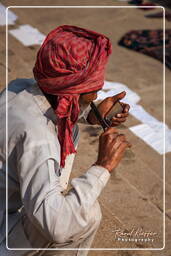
{"points": [[16, 87], [20, 84], [21, 105]]}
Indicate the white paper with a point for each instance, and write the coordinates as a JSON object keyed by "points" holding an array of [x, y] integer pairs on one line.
{"points": [[142, 115], [110, 89], [154, 138], [11, 16], [28, 35]]}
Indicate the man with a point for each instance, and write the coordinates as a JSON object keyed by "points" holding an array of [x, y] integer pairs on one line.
{"points": [[42, 138]]}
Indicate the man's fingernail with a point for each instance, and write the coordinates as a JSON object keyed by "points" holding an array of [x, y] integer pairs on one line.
{"points": [[119, 115]]}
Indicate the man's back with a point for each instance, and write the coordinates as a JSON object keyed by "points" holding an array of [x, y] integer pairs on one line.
{"points": [[29, 126]]}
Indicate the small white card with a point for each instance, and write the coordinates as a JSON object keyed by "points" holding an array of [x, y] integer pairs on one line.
{"points": [[11, 16], [142, 115], [154, 138], [28, 35]]}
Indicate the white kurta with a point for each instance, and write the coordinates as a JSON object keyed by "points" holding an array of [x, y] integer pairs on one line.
{"points": [[34, 184]]}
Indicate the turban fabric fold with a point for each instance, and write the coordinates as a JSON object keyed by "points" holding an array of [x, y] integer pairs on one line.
{"points": [[71, 61]]}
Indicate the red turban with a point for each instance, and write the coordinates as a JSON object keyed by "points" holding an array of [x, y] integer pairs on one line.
{"points": [[70, 61]]}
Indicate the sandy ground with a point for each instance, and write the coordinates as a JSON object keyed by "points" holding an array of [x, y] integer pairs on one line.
{"points": [[133, 197]]}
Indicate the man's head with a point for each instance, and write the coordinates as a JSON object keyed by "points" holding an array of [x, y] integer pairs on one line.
{"points": [[71, 65], [72, 60]]}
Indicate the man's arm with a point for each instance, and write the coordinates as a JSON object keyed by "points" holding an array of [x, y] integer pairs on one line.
{"points": [[62, 217]]}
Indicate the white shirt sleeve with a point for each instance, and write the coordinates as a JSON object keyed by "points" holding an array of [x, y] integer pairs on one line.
{"points": [[59, 217]]}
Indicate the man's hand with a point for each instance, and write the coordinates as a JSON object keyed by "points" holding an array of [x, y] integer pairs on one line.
{"points": [[106, 105], [112, 146]]}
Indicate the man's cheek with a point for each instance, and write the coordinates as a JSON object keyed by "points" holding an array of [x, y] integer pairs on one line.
{"points": [[93, 97]]}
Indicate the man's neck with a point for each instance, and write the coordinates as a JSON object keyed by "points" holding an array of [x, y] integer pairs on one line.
{"points": [[52, 99]]}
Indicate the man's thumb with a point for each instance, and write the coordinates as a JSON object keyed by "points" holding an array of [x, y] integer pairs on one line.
{"points": [[119, 96]]}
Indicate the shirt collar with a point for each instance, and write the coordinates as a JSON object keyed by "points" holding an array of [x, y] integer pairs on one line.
{"points": [[42, 102]]}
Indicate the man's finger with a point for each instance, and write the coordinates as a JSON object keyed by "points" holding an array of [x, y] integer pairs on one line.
{"points": [[118, 140], [125, 106], [121, 149], [110, 130], [122, 115], [119, 96], [119, 119], [115, 124]]}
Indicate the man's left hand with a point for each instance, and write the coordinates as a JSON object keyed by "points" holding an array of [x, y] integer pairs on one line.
{"points": [[106, 105]]}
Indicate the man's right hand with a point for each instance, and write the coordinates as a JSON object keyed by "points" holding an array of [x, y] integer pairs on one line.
{"points": [[112, 146]]}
